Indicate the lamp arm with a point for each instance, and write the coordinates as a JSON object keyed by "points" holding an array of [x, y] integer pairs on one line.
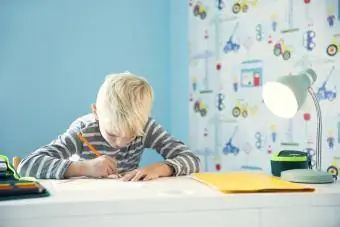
{"points": [[318, 129]]}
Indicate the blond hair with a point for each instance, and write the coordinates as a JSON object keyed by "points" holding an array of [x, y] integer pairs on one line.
{"points": [[124, 103]]}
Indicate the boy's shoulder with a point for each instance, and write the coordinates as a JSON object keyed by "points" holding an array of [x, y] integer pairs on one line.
{"points": [[85, 121], [152, 124]]}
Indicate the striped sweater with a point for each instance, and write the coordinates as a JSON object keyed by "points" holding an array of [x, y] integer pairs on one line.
{"points": [[52, 160]]}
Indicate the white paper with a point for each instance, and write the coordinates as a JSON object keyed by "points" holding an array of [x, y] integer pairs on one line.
{"points": [[94, 184]]}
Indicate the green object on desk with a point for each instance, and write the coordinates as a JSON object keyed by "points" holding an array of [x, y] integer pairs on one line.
{"points": [[8, 171], [12, 189], [12, 186], [287, 160]]}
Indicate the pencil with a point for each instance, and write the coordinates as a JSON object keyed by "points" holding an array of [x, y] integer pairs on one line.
{"points": [[92, 148]]}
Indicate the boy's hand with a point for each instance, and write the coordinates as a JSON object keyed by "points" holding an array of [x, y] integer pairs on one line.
{"points": [[102, 166], [149, 172]]}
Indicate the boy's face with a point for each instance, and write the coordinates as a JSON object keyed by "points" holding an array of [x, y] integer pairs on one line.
{"points": [[114, 139]]}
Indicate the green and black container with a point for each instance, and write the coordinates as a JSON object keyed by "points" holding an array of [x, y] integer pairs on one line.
{"points": [[289, 159]]}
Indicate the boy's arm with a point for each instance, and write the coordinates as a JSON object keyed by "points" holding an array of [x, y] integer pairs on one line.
{"points": [[51, 161], [175, 153]]}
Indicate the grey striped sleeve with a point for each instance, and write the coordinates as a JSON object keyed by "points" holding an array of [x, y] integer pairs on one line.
{"points": [[51, 161], [175, 153]]}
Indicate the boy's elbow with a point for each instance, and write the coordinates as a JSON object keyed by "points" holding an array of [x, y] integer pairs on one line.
{"points": [[197, 164], [26, 168]]}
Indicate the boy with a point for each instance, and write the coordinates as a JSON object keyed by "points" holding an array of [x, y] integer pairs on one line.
{"points": [[119, 128]]}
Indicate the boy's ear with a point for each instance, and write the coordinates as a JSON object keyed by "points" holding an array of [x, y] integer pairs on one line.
{"points": [[94, 111]]}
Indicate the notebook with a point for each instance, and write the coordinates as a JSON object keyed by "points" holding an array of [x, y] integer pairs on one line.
{"points": [[248, 182]]}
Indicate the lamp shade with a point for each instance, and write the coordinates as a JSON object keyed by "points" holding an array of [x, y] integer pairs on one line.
{"points": [[285, 96]]}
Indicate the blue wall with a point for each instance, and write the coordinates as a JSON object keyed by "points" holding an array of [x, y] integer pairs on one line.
{"points": [[55, 54], [179, 68]]}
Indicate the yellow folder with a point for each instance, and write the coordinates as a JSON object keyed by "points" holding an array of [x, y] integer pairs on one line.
{"points": [[248, 182]]}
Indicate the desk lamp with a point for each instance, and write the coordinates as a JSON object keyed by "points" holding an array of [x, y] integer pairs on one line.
{"points": [[284, 97]]}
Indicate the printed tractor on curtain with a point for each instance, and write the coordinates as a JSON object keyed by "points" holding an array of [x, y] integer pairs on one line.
{"points": [[200, 11], [333, 48], [243, 5], [280, 49]]}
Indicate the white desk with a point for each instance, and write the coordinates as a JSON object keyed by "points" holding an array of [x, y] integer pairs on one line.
{"points": [[161, 203]]}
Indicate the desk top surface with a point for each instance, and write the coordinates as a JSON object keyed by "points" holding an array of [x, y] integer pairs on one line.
{"points": [[166, 194]]}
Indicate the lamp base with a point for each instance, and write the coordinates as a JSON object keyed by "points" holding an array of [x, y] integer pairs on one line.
{"points": [[307, 176]]}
